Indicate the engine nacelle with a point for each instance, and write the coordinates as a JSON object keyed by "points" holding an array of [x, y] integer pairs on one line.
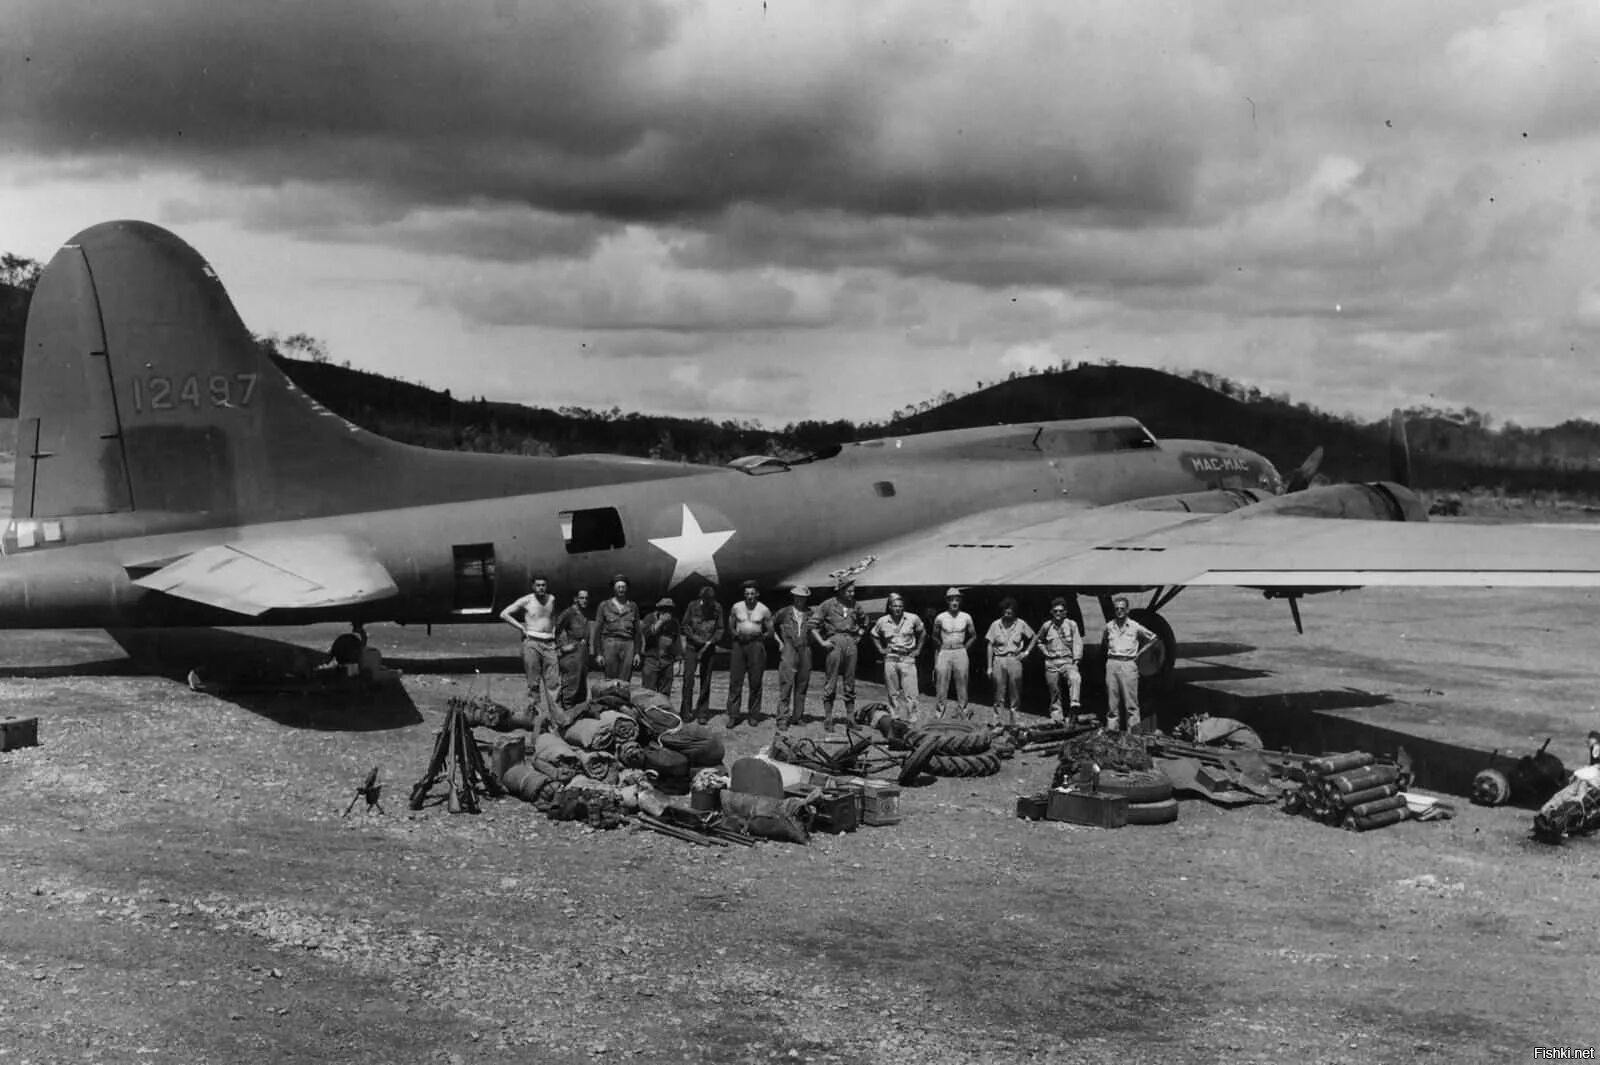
{"points": [[1372, 501], [1210, 501]]}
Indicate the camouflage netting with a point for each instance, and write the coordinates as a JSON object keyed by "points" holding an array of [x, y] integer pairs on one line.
{"points": [[1108, 750]]}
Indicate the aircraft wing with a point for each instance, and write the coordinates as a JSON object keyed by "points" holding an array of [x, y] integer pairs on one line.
{"points": [[1118, 547], [254, 576]]}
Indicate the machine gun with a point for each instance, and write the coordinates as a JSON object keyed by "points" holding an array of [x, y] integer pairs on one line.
{"points": [[370, 789]]}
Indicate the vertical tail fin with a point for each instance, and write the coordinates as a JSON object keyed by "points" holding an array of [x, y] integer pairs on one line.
{"points": [[143, 391]]}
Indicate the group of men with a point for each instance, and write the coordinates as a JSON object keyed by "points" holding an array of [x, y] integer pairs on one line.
{"points": [[559, 649]]}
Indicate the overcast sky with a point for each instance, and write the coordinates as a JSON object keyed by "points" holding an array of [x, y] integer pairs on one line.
{"points": [[794, 209]]}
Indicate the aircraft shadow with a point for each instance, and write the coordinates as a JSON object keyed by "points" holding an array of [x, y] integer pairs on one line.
{"points": [[105, 667], [1211, 649], [1308, 722], [255, 673], [487, 664]]}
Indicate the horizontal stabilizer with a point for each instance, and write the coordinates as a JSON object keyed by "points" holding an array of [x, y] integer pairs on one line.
{"points": [[255, 576]]}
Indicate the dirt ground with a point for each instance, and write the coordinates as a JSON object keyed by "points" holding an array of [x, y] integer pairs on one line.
{"points": [[180, 886]]}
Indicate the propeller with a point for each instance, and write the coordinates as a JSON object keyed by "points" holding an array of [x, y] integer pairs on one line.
{"points": [[1301, 478], [1399, 451]]}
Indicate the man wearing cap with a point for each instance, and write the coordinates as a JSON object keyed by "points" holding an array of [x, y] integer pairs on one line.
{"points": [[749, 623], [840, 625], [1062, 643], [534, 616], [1009, 638], [702, 631], [955, 631], [617, 637], [899, 637], [796, 630], [1124, 639], [662, 646], [572, 647]]}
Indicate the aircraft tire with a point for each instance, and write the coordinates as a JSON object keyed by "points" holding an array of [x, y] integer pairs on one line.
{"points": [[964, 765], [1137, 785], [952, 741], [1153, 813], [1156, 665], [916, 763], [346, 649]]}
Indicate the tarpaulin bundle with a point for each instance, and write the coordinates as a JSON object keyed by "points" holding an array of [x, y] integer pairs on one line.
{"points": [[765, 817], [548, 747], [526, 782], [655, 721], [669, 769], [697, 743], [591, 734], [631, 754], [561, 774], [599, 765], [624, 728]]}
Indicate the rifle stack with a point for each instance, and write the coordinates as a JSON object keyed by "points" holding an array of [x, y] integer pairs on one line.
{"points": [[1353, 790], [456, 758]]}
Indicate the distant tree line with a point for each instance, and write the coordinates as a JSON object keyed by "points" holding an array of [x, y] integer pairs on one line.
{"points": [[1451, 449]]}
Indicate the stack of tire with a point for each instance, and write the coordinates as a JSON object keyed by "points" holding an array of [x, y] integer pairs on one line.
{"points": [[950, 749], [1148, 791]]}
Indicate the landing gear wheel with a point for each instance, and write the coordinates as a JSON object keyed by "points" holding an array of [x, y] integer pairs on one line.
{"points": [[346, 649], [1159, 658], [1491, 787]]}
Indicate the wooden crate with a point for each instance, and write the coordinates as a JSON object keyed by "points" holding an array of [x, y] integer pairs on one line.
{"points": [[18, 732], [1098, 808]]}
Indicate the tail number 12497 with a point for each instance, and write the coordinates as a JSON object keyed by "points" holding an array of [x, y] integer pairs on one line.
{"points": [[154, 392]]}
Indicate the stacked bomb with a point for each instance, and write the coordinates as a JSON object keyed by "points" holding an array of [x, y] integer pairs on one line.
{"points": [[1352, 790]]}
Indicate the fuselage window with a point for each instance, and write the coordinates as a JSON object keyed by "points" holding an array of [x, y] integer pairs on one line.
{"points": [[884, 488], [598, 529], [474, 577]]}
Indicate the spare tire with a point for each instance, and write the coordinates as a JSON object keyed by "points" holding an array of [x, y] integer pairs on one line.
{"points": [[952, 741], [1153, 813], [916, 762], [1139, 785], [964, 765]]}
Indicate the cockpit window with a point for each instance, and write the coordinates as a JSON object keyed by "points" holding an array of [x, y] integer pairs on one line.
{"points": [[1098, 440]]}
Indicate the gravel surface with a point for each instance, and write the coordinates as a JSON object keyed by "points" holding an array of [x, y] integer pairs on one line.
{"points": [[179, 886]]}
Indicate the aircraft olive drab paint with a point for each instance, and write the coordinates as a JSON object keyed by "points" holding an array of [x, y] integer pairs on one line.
{"points": [[169, 474]]}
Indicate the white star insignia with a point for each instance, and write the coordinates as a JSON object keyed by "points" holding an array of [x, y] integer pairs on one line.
{"points": [[693, 550]]}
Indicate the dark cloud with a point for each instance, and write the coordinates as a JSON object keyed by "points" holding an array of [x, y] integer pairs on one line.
{"points": [[616, 109]]}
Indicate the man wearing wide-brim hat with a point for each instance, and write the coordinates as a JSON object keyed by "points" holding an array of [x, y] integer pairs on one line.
{"points": [[662, 646], [796, 629]]}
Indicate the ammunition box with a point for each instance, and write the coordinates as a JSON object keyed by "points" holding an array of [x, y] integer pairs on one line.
{"points": [[1033, 807], [18, 732], [1097, 808], [880, 804]]}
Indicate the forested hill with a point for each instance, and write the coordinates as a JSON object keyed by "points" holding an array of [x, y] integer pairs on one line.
{"points": [[1450, 450]]}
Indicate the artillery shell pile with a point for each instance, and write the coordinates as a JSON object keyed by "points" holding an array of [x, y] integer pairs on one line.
{"points": [[1351, 790]]}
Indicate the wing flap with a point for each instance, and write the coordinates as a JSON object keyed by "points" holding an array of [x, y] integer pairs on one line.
{"points": [[255, 576]]}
